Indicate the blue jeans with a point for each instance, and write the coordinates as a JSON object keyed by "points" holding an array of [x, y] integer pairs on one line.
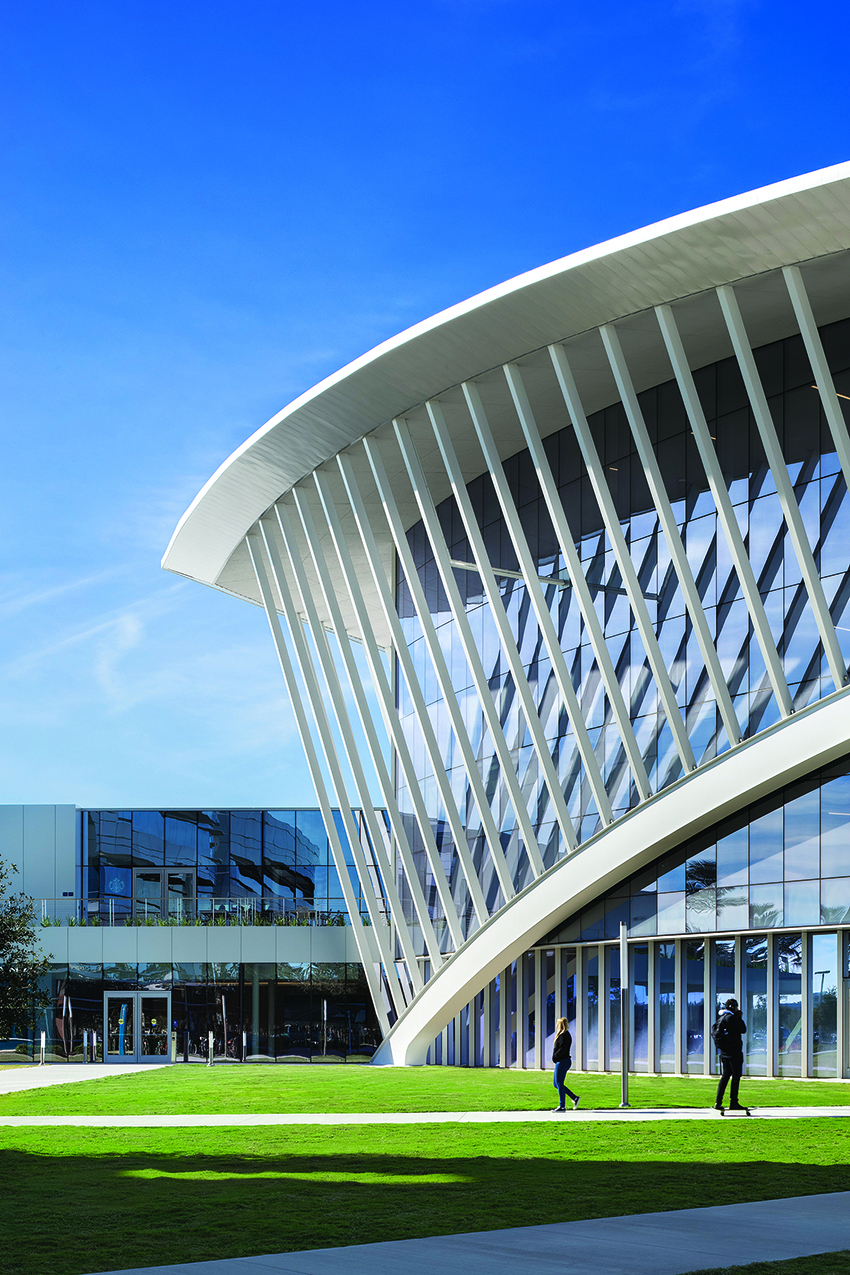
{"points": [[561, 1069]]}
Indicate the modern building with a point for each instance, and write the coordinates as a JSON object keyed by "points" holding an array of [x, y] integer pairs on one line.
{"points": [[191, 935], [565, 572]]}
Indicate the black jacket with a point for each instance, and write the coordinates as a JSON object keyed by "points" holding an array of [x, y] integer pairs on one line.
{"points": [[561, 1048], [736, 1029]]}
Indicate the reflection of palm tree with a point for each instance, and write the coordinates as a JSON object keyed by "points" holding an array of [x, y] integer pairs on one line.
{"points": [[727, 898], [765, 915], [788, 950], [700, 876]]}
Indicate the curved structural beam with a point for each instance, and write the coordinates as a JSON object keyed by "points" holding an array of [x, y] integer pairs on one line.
{"points": [[604, 500], [782, 482], [364, 936], [549, 490], [723, 504], [792, 748], [383, 690], [367, 724], [667, 519]]}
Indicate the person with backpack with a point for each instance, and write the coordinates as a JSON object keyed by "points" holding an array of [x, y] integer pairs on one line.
{"points": [[728, 1035]]}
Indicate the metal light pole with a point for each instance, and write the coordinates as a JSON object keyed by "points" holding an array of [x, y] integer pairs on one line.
{"points": [[625, 1015]]}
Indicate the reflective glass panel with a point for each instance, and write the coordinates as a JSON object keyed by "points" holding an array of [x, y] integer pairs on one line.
{"points": [[724, 971], [666, 973], [592, 1009], [180, 888], [613, 1007], [119, 1028], [789, 972], [733, 908], [148, 894], [766, 905], [733, 858], [824, 993], [755, 1004], [835, 826], [671, 913], [766, 847], [802, 903], [695, 989], [148, 829], [568, 977], [154, 1026], [640, 974], [835, 901], [802, 836], [181, 839]]}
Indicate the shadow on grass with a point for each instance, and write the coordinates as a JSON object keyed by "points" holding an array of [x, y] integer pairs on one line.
{"points": [[105, 1211]]}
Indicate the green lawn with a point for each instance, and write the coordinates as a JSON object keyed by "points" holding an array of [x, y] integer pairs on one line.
{"points": [[238, 1090], [102, 1199]]}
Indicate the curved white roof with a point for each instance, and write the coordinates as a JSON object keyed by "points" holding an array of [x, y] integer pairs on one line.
{"points": [[795, 221]]}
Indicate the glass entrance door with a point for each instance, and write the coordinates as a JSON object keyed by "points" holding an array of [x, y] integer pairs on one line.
{"points": [[154, 1017], [136, 1026], [163, 892], [119, 1027]]}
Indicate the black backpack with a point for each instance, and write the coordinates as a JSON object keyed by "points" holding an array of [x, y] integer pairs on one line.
{"points": [[720, 1034]]}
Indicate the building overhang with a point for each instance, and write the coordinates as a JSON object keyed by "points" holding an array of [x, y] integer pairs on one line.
{"points": [[745, 240]]}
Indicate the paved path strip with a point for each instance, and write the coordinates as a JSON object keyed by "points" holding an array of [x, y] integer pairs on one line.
{"points": [[252, 1120], [647, 1244], [18, 1079]]}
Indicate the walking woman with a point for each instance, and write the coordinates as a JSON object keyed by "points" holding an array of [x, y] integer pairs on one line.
{"points": [[563, 1061]]}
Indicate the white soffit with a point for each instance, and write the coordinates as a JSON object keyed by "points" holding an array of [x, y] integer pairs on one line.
{"points": [[795, 221]]}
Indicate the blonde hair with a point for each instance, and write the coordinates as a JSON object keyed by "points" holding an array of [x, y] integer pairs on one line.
{"points": [[561, 1026]]}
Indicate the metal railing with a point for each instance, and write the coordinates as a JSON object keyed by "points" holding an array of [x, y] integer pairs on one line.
{"points": [[204, 910]]}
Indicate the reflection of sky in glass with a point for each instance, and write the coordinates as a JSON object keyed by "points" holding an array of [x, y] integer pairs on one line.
{"points": [[757, 870], [281, 853], [826, 513]]}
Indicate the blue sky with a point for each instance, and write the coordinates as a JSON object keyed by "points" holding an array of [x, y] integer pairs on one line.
{"points": [[207, 207]]}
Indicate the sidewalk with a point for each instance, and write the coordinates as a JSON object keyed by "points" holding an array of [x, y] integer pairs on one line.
{"points": [[17, 1079], [646, 1244], [637, 1115]]}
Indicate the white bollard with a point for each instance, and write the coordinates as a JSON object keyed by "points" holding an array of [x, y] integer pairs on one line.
{"points": [[42, 1049], [85, 1047], [210, 1058]]}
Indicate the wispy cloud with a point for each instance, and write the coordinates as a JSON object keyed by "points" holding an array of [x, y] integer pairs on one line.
{"points": [[119, 621], [15, 604]]}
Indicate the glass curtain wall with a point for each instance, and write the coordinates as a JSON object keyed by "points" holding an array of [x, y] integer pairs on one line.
{"points": [[146, 865], [677, 988], [779, 863], [288, 1013], [717, 890]]}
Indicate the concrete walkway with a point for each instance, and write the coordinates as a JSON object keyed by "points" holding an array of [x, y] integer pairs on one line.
{"points": [[646, 1244], [17, 1079], [637, 1115]]}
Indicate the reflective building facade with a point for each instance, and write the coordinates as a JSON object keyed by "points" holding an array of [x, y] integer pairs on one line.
{"points": [[190, 935], [571, 560]]}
